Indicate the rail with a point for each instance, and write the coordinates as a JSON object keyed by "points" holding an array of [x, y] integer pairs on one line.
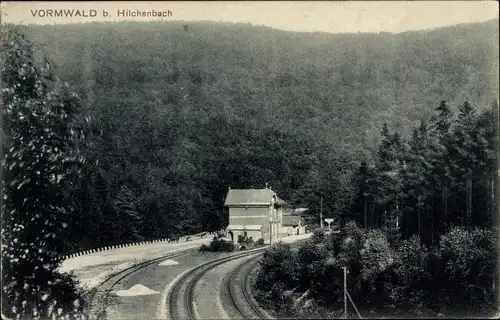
{"points": [[180, 298]]}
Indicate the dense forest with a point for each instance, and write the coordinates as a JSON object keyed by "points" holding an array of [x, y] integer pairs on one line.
{"points": [[445, 175], [117, 132], [428, 205], [182, 111], [424, 240]]}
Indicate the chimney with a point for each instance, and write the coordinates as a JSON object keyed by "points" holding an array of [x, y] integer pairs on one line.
{"points": [[266, 185], [229, 188]]}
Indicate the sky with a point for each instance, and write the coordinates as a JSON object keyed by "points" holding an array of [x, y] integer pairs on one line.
{"points": [[308, 16]]}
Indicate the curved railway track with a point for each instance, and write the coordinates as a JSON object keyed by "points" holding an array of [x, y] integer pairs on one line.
{"points": [[237, 288], [106, 286], [180, 298]]}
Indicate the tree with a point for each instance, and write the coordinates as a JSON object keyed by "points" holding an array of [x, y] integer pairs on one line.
{"points": [[416, 181], [464, 154], [441, 126], [279, 270], [40, 162], [468, 266], [391, 226], [128, 218], [361, 204], [443, 118], [486, 171], [409, 277], [386, 182]]}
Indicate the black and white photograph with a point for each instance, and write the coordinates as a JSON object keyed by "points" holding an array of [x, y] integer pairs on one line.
{"points": [[178, 160]]}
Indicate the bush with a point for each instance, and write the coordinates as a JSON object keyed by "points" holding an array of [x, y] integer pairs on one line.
{"points": [[318, 235], [218, 245], [408, 278], [245, 240], [468, 265], [259, 242], [376, 254], [411, 279], [241, 239], [227, 246], [64, 300], [279, 272]]}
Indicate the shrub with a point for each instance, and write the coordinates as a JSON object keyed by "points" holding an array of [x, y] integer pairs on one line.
{"points": [[408, 278], [468, 265], [204, 248], [241, 239], [259, 242], [411, 279], [227, 246], [218, 245], [376, 254], [245, 240], [279, 272], [318, 235]]}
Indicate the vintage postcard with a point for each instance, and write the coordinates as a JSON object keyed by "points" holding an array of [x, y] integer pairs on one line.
{"points": [[248, 159]]}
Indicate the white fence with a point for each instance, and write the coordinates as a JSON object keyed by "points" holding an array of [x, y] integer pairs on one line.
{"points": [[125, 245]]}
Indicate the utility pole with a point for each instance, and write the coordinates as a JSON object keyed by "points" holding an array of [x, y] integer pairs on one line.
{"points": [[321, 213], [345, 292]]}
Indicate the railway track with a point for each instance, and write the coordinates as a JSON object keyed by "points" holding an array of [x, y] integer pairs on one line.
{"points": [[180, 298], [237, 288], [103, 290]]}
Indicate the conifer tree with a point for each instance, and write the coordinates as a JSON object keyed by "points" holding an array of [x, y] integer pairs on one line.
{"points": [[439, 174], [388, 163], [363, 202], [416, 180], [486, 186], [464, 159], [129, 221]]}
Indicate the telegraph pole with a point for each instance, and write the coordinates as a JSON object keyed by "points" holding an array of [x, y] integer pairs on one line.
{"points": [[345, 292], [321, 213]]}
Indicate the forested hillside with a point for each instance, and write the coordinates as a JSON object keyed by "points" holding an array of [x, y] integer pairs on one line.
{"points": [[182, 111]]}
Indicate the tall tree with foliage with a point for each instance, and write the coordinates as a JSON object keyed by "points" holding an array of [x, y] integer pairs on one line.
{"points": [[127, 216], [486, 138], [40, 161], [363, 201], [464, 160], [387, 176], [441, 125], [416, 181]]}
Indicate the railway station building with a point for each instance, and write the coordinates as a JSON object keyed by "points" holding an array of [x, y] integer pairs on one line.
{"points": [[256, 213]]}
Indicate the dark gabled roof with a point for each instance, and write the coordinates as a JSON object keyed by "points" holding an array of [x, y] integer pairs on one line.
{"points": [[251, 197], [290, 221]]}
